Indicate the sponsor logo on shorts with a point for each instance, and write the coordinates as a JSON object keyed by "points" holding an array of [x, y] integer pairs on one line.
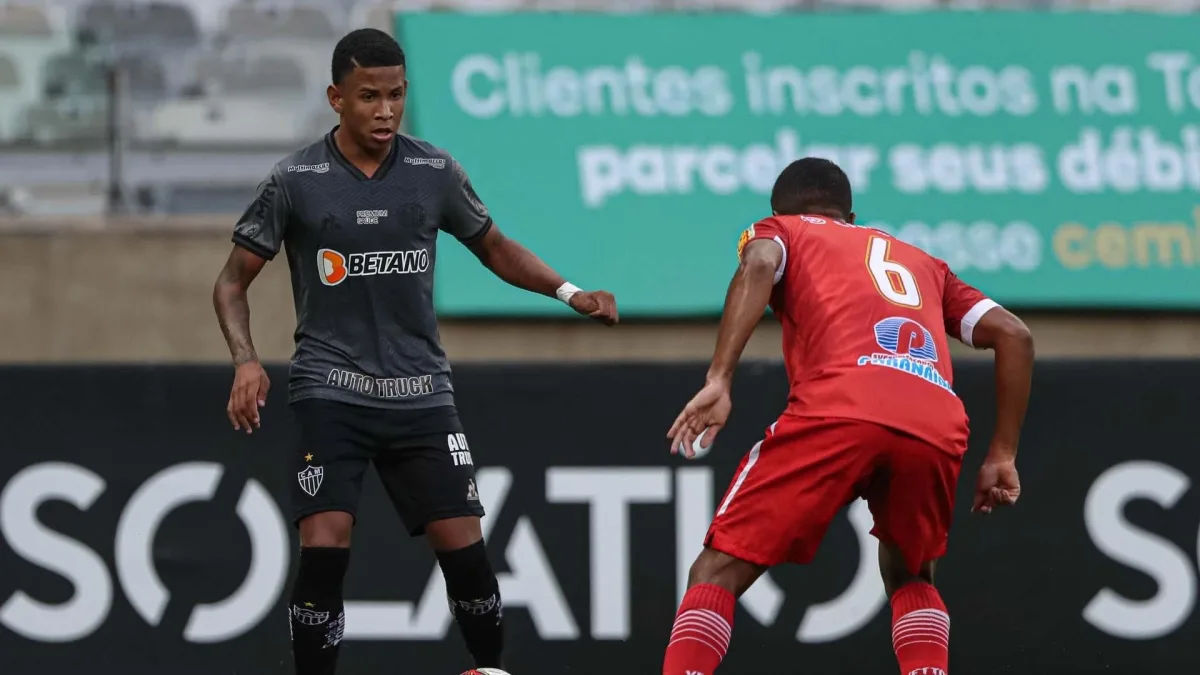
{"points": [[334, 267], [381, 387], [435, 162], [927, 671], [309, 617], [909, 348], [323, 167], [472, 491], [310, 479], [459, 452]]}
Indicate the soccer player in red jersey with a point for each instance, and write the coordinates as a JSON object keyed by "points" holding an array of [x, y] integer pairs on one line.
{"points": [[871, 413]]}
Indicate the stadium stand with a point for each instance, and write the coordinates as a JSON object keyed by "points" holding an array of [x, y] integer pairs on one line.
{"points": [[204, 78]]}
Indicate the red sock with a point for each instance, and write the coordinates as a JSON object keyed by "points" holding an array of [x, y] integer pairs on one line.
{"points": [[920, 630], [701, 633]]}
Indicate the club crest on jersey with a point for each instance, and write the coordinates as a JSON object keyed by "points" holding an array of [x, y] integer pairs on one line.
{"points": [[907, 347], [747, 235], [310, 479]]}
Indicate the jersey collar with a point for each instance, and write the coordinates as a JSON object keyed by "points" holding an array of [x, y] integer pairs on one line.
{"points": [[383, 169]]}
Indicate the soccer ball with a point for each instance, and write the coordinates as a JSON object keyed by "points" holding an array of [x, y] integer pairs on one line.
{"points": [[485, 671]]}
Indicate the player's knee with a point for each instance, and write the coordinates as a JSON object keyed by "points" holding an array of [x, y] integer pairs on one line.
{"points": [[896, 572], [469, 577], [926, 573], [896, 583], [723, 570], [330, 529], [452, 534]]}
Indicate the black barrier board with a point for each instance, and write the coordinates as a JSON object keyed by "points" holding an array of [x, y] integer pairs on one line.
{"points": [[143, 536]]}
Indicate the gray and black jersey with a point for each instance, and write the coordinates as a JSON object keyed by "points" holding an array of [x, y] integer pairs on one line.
{"points": [[361, 252]]}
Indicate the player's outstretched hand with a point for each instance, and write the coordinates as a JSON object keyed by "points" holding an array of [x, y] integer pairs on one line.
{"points": [[250, 387], [600, 305], [998, 485], [703, 416]]}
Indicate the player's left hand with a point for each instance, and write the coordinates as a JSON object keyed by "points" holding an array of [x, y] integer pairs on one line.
{"points": [[999, 485], [704, 415], [600, 305]]}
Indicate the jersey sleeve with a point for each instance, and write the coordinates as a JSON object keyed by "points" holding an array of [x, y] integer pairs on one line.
{"points": [[465, 215], [263, 225], [963, 306], [769, 229]]}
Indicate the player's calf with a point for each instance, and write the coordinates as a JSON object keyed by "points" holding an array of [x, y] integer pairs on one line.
{"points": [[316, 613], [704, 623], [472, 588], [920, 623]]}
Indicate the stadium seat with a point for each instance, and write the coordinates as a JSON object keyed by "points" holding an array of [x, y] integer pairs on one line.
{"points": [[210, 14], [24, 21], [73, 74], [247, 22], [1172, 6], [147, 77], [63, 199], [750, 6], [29, 36], [206, 198], [10, 101], [598, 6], [70, 120], [889, 5], [478, 6], [381, 14], [243, 73], [139, 25], [229, 122]]}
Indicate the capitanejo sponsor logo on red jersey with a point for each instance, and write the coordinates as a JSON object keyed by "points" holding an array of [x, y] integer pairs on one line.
{"points": [[909, 348]]}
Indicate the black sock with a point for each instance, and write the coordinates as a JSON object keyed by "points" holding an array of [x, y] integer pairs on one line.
{"points": [[475, 602], [316, 614]]}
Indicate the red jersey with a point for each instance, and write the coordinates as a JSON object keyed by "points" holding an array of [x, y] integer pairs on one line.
{"points": [[865, 323]]}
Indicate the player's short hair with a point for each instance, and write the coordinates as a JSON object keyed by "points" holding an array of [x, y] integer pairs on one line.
{"points": [[812, 184], [365, 48]]}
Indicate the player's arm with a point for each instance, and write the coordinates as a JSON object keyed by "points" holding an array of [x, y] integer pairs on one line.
{"points": [[232, 304], [520, 267], [467, 218], [1007, 336], [981, 323], [745, 301], [257, 238], [749, 292]]}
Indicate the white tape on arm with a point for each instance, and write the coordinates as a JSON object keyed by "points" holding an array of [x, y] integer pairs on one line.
{"points": [[565, 292], [972, 317]]}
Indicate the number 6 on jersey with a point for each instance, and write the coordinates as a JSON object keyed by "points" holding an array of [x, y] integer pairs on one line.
{"points": [[893, 280]]}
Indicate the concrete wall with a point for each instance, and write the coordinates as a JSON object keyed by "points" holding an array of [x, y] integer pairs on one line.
{"points": [[140, 290]]}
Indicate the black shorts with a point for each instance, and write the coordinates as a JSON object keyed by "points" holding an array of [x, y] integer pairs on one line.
{"points": [[421, 456]]}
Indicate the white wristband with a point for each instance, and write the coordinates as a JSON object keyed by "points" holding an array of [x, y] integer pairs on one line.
{"points": [[565, 292]]}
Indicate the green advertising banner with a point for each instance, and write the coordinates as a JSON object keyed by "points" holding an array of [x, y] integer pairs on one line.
{"points": [[1051, 159]]}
